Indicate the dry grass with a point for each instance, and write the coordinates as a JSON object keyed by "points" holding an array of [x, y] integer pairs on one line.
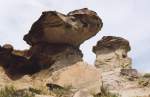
{"points": [[10, 91], [105, 93]]}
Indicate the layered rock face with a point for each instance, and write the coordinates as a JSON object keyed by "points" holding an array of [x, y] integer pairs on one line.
{"points": [[116, 70], [73, 28], [111, 52], [55, 56], [54, 61], [55, 38]]}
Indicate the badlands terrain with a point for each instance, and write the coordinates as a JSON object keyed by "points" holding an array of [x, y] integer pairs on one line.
{"points": [[53, 65]]}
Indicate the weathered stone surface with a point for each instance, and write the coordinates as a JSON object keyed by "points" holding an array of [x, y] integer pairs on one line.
{"points": [[74, 28], [15, 66], [122, 85], [111, 43], [82, 93], [130, 72], [8, 47], [111, 52], [55, 56], [80, 76]]}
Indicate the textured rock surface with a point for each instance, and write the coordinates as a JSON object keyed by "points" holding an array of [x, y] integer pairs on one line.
{"points": [[82, 93], [15, 65], [111, 52], [73, 29], [129, 72], [55, 56], [122, 85], [79, 76]]}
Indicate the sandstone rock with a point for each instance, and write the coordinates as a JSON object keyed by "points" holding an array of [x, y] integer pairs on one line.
{"points": [[44, 96], [55, 56], [122, 86], [111, 52], [80, 76], [130, 72], [74, 28], [4, 55], [112, 43], [8, 47], [82, 93], [15, 66]]}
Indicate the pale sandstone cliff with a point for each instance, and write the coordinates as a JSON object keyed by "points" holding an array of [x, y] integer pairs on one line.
{"points": [[116, 69]]}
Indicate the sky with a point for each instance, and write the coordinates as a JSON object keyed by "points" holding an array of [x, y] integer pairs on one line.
{"points": [[129, 19]]}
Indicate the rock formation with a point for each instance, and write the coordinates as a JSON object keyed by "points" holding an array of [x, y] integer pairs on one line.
{"points": [[80, 76], [133, 73], [111, 52], [16, 65], [116, 70], [56, 28], [55, 56], [55, 38], [54, 61]]}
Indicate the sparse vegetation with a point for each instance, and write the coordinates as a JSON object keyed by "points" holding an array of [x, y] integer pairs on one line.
{"points": [[37, 91], [59, 92], [147, 75], [105, 93], [10, 91], [144, 82]]}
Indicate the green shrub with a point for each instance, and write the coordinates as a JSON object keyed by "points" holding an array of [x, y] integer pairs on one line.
{"points": [[147, 75], [10, 91]]}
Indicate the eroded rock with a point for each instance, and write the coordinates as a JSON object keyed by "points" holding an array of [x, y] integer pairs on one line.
{"points": [[14, 65], [80, 76], [55, 56], [82, 93], [74, 28], [130, 72], [111, 52]]}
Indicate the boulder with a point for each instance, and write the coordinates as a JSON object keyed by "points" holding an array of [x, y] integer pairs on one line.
{"points": [[111, 52], [80, 76], [73, 28]]}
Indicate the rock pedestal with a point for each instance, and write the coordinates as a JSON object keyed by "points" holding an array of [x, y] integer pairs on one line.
{"points": [[111, 52], [55, 38]]}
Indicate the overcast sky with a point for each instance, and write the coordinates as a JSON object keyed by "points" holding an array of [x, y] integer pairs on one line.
{"points": [[129, 19]]}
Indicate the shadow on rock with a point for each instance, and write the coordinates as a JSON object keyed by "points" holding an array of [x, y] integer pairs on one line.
{"points": [[16, 66]]}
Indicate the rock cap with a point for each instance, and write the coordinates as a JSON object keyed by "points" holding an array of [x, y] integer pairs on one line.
{"points": [[112, 43]]}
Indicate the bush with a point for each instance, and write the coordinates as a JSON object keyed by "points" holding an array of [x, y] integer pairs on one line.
{"points": [[147, 75], [10, 91]]}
